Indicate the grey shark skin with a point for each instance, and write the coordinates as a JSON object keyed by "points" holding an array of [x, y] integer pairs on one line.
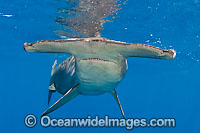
{"points": [[96, 67]]}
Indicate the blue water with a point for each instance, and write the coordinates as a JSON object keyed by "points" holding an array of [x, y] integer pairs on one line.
{"points": [[151, 88]]}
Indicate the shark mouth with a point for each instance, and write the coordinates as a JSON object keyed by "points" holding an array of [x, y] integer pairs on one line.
{"points": [[97, 59]]}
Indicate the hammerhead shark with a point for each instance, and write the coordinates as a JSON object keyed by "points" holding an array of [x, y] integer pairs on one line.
{"points": [[96, 66]]}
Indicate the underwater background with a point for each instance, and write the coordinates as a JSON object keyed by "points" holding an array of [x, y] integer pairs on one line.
{"points": [[152, 88]]}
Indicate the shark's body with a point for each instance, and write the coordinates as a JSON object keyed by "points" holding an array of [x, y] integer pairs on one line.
{"points": [[96, 67], [94, 76]]}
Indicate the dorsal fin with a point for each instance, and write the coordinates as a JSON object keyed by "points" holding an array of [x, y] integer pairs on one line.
{"points": [[53, 67]]}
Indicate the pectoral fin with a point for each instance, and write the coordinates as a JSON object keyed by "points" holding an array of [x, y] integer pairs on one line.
{"points": [[73, 92], [114, 93]]}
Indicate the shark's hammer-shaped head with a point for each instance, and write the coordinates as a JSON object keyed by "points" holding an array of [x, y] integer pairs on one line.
{"points": [[77, 46]]}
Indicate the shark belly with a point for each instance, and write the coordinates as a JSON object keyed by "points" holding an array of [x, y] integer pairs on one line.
{"points": [[97, 76]]}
